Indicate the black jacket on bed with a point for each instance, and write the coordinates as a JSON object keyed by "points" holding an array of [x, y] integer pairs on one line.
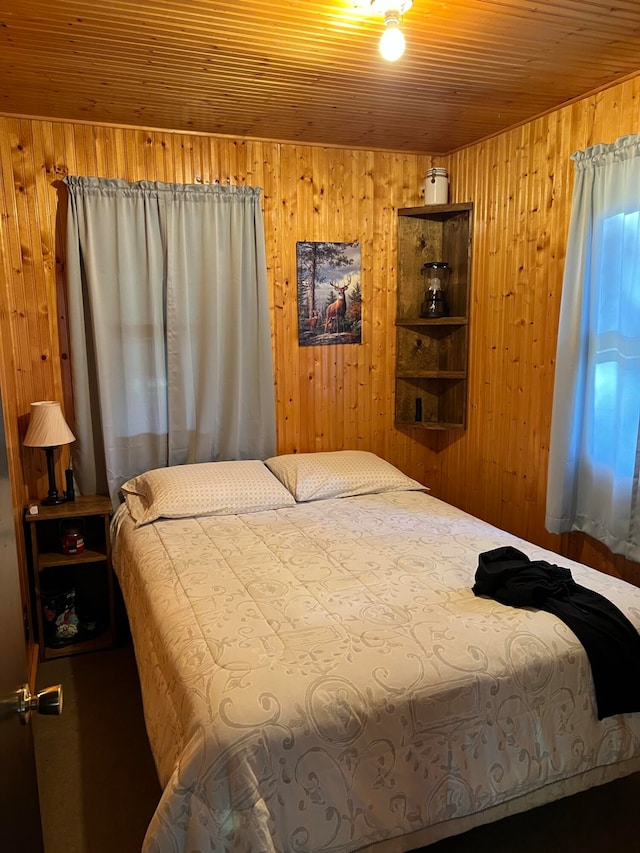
{"points": [[610, 640]]}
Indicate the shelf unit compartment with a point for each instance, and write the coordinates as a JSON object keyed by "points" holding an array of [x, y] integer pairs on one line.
{"points": [[91, 605], [437, 348], [49, 541], [443, 403], [433, 233]]}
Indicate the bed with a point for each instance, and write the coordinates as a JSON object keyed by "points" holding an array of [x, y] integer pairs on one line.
{"points": [[317, 674]]}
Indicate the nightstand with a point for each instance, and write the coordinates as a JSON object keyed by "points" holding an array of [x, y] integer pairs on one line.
{"points": [[73, 582]]}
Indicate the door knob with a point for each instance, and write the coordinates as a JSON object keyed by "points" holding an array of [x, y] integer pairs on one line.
{"points": [[47, 701]]}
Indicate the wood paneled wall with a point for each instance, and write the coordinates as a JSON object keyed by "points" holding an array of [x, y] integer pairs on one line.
{"points": [[337, 397], [327, 397], [521, 183]]}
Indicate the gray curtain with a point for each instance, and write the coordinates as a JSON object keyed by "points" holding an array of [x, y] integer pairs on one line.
{"points": [[169, 327], [594, 458]]}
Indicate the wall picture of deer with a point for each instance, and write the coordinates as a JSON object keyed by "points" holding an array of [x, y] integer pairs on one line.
{"points": [[329, 293]]}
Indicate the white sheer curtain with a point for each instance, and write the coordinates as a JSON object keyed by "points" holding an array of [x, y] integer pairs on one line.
{"points": [[169, 327], [594, 458]]}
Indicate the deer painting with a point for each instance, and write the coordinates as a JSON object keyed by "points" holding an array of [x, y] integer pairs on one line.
{"points": [[329, 293], [334, 315]]}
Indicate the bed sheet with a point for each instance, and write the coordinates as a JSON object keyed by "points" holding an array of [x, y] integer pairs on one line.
{"points": [[322, 678]]}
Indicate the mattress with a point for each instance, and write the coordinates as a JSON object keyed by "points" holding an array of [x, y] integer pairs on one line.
{"points": [[321, 678]]}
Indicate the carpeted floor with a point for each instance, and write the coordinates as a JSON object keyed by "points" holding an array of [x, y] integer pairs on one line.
{"points": [[98, 786], [97, 780]]}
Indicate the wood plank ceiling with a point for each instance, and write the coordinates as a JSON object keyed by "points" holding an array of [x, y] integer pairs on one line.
{"points": [[309, 70]]}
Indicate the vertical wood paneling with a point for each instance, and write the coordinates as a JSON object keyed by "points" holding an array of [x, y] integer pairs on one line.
{"points": [[521, 183], [9, 376], [331, 397]]}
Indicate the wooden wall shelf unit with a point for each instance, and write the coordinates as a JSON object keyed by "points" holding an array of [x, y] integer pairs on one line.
{"points": [[432, 353], [88, 573]]}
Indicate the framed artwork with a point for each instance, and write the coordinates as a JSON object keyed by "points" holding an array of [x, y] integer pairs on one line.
{"points": [[329, 293]]}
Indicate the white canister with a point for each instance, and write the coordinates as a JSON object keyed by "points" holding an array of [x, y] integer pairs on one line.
{"points": [[436, 186]]}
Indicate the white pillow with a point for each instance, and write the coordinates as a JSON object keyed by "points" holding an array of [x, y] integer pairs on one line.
{"points": [[338, 474], [205, 488]]}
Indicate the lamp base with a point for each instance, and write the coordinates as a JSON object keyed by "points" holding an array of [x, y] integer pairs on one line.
{"points": [[53, 500], [54, 497]]}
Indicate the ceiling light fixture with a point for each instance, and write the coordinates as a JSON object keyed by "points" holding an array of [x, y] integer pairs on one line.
{"points": [[392, 43]]}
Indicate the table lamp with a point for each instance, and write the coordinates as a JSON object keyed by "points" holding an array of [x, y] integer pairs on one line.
{"points": [[48, 429]]}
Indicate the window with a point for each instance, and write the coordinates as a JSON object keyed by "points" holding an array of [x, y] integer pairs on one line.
{"points": [[594, 458], [614, 413], [169, 326]]}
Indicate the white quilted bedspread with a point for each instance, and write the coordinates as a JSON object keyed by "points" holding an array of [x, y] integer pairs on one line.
{"points": [[321, 677]]}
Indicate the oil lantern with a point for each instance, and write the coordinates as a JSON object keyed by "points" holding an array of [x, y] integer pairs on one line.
{"points": [[436, 275]]}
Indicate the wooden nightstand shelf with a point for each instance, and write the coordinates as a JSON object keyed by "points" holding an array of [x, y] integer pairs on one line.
{"points": [[89, 574]]}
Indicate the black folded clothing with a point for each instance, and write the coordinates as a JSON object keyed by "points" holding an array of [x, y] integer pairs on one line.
{"points": [[611, 641]]}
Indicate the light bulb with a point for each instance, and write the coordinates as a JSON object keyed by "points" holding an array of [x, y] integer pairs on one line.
{"points": [[392, 43]]}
